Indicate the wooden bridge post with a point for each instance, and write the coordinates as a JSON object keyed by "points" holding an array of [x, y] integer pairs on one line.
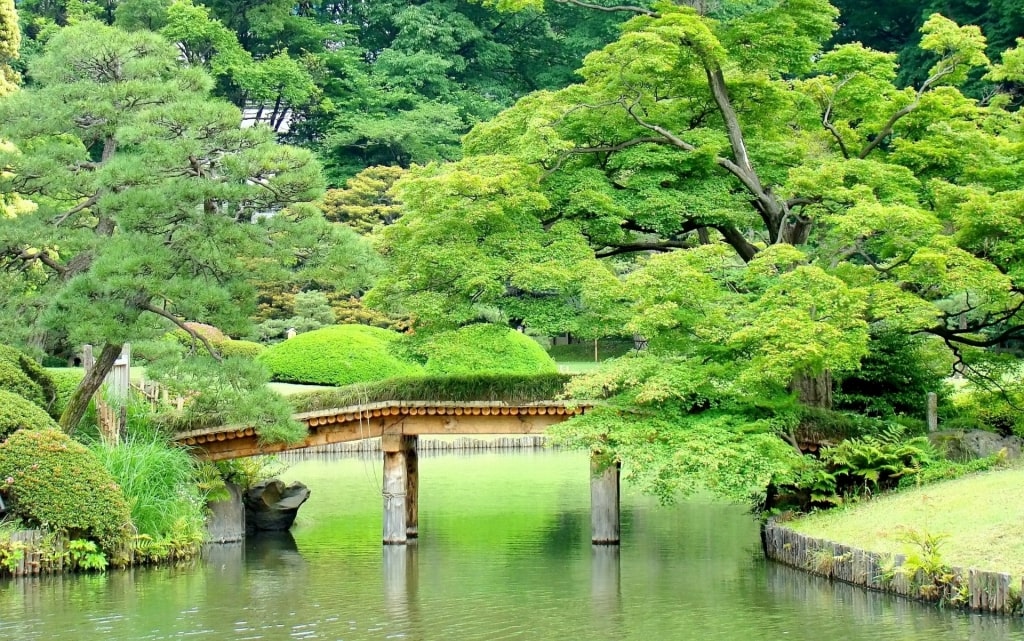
{"points": [[412, 487], [604, 500], [396, 449]]}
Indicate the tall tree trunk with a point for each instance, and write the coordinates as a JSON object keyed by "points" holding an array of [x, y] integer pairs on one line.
{"points": [[814, 390], [79, 402]]}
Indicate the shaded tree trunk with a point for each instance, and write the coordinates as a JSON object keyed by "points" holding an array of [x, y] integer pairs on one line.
{"points": [[814, 390], [79, 401]]}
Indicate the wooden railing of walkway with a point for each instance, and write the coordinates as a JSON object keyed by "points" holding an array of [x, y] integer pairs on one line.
{"points": [[409, 418]]}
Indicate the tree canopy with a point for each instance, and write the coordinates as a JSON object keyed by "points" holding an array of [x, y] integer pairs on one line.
{"points": [[746, 200], [152, 203]]}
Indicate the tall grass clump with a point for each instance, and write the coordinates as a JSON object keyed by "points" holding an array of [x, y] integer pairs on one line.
{"points": [[161, 484]]}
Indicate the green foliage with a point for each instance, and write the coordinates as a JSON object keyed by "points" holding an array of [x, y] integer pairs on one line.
{"points": [[894, 378], [945, 470], [991, 408], [365, 204], [484, 349], [820, 425], [241, 349], [924, 557], [337, 355], [85, 555], [310, 311], [162, 198], [480, 387], [59, 485], [231, 392], [13, 380], [10, 42], [65, 381], [22, 375], [159, 481], [872, 464], [247, 472], [18, 413]]}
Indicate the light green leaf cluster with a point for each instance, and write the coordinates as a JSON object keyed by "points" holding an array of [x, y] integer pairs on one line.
{"points": [[960, 49], [10, 43]]}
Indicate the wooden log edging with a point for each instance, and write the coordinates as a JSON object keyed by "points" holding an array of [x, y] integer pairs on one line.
{"points": [[971, 589]]}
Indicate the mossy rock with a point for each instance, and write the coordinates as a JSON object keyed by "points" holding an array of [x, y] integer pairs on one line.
{"points": [[56, 483], [22, 375], [17, 413], [338, 355], [485, 349]]}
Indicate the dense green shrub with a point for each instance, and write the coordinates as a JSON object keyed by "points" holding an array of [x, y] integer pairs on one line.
{"points": [[21, 374], [17, 413], [990, 410], [481, 387], [56, 483], [232, 391], [65, 382], [337, 355], [244, 349], [894, 378], [485, 349], [13, 380]]}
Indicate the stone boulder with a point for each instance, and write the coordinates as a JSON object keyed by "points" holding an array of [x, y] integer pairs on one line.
{"points": [[272, 506], [968, 445]]}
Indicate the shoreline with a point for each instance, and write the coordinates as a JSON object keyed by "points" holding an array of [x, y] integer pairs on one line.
{"points": [[967, 589]]}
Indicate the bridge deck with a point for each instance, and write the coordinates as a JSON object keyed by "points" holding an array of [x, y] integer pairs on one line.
{"points": [[356, 422]]}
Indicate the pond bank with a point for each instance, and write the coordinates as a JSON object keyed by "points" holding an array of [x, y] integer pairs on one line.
{"points": [[948, 542]]}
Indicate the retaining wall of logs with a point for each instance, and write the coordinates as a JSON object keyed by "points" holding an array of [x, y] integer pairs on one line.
{"points": [[970, 589]]}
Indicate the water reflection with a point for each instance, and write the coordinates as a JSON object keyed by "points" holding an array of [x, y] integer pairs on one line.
{"points": [[504, 553]]}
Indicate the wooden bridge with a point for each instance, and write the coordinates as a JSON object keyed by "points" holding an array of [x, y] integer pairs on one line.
{"points": [[399, 424]]}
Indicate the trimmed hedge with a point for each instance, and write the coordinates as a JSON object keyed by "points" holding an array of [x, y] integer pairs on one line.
{"points": [[337, 355], [65, 381], [18, 413], [504, 388], [57, 484], [485, 349], [13, 380], [21, 374], [244, 349]]}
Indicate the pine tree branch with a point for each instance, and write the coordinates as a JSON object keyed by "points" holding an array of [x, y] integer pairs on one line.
{"points": [[150, 307]]}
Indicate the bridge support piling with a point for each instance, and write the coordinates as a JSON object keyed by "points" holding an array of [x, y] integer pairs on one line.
{"points": [[397, 509], [412, 488], [604, 500]]}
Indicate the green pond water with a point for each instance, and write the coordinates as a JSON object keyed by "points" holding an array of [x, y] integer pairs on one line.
{"points": [[504, 553]]}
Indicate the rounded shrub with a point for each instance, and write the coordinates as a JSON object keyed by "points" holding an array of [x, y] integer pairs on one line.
{"points": [[21, 374], [65, 382], [485, 349], [337, 355], [13, 380], [55, 483], [17, 413], [244, 349]]}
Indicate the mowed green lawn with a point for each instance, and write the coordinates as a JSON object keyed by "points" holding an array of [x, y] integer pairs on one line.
{"points": [[982, 516]]}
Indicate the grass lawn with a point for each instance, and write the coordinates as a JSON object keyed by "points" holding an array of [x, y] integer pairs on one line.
{"points": [[981, 515], [576, 367], [287, 389]]}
